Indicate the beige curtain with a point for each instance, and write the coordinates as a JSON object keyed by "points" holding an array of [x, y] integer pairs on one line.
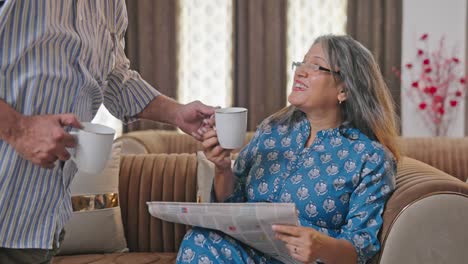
{"points": [[151, 48], [260, 57], [377, 24], [151, 42]]}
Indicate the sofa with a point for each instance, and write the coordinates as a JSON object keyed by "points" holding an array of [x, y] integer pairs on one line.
{"points": [[424, 220]]}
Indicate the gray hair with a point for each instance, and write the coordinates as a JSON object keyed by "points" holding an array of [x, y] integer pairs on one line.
{"points": [[369, 105]]}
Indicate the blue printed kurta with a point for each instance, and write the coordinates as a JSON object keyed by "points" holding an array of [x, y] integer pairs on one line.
{"points": [[339, 185]]}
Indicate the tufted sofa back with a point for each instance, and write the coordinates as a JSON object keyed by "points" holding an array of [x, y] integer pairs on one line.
{"points": [[447, 154], [154, 177]]}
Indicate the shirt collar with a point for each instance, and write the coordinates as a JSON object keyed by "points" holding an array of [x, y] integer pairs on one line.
{"points": [[342, 130]]}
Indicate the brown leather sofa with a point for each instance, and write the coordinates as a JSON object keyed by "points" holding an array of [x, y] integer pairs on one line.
{"points": [[424, 220]]}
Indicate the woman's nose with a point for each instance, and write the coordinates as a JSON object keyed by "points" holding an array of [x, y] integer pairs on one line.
{"points": [[301, 72]]}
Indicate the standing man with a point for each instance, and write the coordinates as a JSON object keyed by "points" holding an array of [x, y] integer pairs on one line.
{"points": [[59, 60]]}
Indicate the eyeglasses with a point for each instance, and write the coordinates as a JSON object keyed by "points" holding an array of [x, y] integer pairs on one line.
{"points": [[312, 67]]}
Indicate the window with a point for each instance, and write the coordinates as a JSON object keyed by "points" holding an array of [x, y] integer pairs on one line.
{"points": [[205, 45], [306, 21], [205, 51]]}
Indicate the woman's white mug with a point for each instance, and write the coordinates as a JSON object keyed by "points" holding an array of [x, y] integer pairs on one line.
{"points": [[93, 147], [231, 126]]}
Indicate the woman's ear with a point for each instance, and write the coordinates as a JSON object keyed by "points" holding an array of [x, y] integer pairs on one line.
{"points": [[342, 96]]}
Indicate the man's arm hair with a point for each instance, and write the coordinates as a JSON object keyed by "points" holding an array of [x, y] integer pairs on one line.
{"points": [[9, 119]]}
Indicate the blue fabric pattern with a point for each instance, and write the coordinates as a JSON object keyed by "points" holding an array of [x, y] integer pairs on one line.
{"points": [[339, 184]]}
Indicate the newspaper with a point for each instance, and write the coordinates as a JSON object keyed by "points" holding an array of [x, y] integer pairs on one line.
{"points": [[249, 223]]}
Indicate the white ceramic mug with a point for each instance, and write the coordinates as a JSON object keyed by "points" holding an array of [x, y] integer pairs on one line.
{"points": [[231, 126], [93, 148]]}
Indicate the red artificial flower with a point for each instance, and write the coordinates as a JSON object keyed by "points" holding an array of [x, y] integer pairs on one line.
{"points": [[435, 101], [441, 111], [438, 99]]}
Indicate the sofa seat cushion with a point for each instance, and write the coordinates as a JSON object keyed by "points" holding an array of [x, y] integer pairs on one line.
{"points": [[118, 258]]}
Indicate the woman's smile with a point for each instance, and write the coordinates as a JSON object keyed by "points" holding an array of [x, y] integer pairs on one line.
{"points": [[299, 86]]}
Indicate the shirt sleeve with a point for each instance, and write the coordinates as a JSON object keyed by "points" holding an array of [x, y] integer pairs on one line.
{"points": [[126, 94], [5, 12], [366, 204], [242, 167]]}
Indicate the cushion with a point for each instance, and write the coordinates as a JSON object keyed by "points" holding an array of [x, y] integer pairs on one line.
{"points": [[205, 176], [118, 258], [96, 224]]}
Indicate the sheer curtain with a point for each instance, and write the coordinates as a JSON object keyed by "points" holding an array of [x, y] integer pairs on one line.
{"points": [[226, 52], [306, 21], [204, 31]]}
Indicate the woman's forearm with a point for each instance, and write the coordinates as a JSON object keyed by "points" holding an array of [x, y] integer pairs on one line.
{"points": [[337, 251], [224, 182]]}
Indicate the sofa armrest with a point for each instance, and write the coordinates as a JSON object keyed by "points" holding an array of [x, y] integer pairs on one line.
{"points": [[154, 177], [426, 203]]}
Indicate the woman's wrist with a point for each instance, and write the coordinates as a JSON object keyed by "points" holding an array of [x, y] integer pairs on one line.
{"points": [[337, 250], [224, 175], [223, 169], [224, 182]]}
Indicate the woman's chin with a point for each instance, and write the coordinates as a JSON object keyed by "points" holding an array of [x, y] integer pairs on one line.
{"points": [[294, 99]]}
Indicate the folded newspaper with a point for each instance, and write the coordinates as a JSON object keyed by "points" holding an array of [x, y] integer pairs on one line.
{"points": [[249, 223]]}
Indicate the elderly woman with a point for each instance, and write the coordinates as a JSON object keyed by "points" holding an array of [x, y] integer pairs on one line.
{"points": [[332, 153]]}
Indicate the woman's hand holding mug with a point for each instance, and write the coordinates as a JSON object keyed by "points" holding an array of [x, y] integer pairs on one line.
{"points": [[214, 152]]}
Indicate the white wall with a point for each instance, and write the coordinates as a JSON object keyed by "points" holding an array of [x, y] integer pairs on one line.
{"points": [[437, 18]]}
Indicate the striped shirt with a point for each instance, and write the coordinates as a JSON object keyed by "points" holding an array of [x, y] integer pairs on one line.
{"points": [[61, 56]]}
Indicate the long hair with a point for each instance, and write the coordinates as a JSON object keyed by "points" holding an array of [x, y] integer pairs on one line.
{"points": [[369, 106]]}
